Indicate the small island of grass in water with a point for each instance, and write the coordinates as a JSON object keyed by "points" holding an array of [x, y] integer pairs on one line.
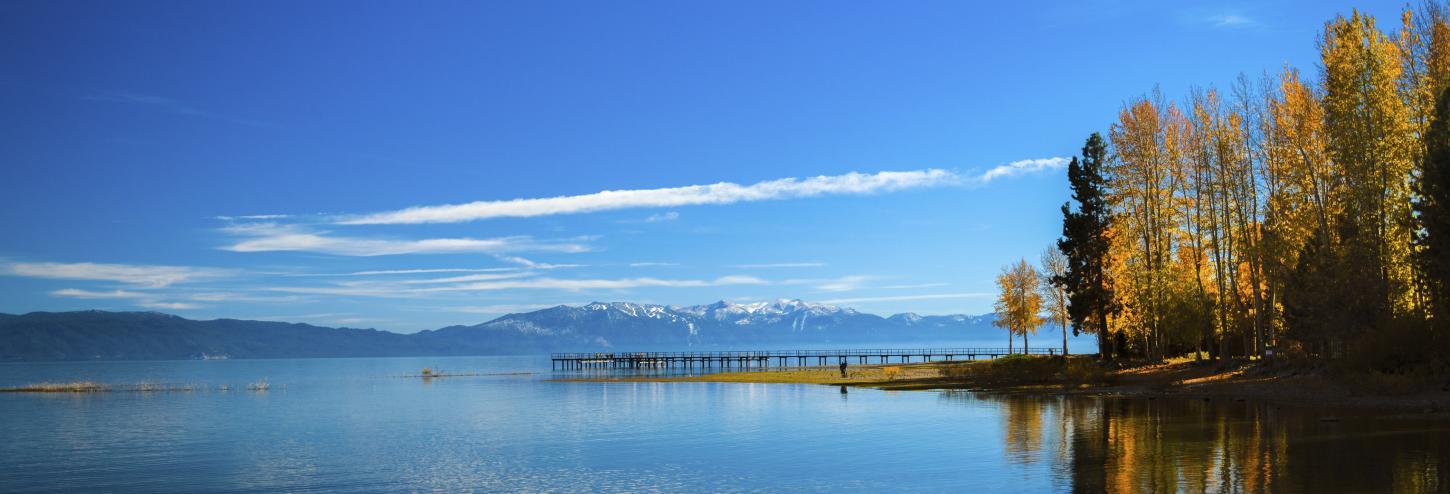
{"points": [[140, 387]]}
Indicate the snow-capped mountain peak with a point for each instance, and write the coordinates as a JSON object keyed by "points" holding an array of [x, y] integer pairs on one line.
{"points": [[607, 324]]}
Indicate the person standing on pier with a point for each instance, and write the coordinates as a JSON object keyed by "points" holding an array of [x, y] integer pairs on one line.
{"points": [[843, 367]]}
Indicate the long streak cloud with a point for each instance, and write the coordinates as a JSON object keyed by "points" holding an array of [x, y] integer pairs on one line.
{"points": [[713, 194]]}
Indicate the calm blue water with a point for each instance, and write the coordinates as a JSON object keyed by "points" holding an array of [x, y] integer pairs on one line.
{"points": [[352, 425]]}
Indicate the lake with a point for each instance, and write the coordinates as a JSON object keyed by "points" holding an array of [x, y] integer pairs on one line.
{"points": [[354, 425]]}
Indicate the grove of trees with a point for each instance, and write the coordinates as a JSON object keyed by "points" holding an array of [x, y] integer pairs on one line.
{"points": [[1287, 214]]}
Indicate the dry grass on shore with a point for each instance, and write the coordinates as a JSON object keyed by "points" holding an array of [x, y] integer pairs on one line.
{"points": [[140, 387], [70, 387], [1178, 377], [920, 375]]}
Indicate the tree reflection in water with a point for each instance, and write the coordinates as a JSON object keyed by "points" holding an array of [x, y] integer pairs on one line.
{"points": [[1099, 444]]}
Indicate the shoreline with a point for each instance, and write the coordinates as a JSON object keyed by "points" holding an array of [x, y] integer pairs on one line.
{"points": [[1182, 379]]}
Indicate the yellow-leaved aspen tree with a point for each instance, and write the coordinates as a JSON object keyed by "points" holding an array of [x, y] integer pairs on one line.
{"points": [[1249, 103], [1296, 176], [1370, 139], [1143, 186], [1054, 295], [1019, 303], [1424, 43], [1198, 187]]}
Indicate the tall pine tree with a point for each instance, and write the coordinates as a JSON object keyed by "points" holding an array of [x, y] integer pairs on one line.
{"points": [[1085, 242], [1432, 199]]}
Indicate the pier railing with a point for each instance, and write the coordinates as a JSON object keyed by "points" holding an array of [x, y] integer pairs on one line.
{"points": [[782, 358]]}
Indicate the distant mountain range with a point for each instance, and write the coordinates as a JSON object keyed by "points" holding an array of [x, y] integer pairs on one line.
{"points": [[101, 335]]}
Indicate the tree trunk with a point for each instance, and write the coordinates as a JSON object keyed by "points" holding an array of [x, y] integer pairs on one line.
{"points": [[1064, 338], [1104, 352]]}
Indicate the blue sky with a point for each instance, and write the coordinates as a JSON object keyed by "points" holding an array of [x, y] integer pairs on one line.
{"points": [[358, 163]]}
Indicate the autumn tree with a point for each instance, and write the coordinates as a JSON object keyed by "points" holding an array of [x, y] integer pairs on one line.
{"points": [[1370, 140], [1199, 225], [1300, 181], [1298, 151], [1249, 104], [1019, 304], [1294, 207], [1424, 49], [1424, 42], [1143, 190], [1054, 295]]}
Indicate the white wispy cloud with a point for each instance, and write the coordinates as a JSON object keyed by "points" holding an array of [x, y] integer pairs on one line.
{"points": [[531, 264], [297, 317], [390, 272], [404, 290], [139, 275], [272, 237], [665, 216], [844, 283], [254, 217], [170, 105], [349, 291], [142, 99], [612, 284], [855, 282], [498, 308], [88, 294], [652, 264], [779, 265], [152, 301], [908, 287], [360, 320], [716, 194], [240, 297], [468, 278], [899, 298], [169, 305], [1230, 20], [1021, 167]]}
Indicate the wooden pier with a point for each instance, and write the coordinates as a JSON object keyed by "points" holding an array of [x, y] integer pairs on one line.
{"points": [[777, 358]]}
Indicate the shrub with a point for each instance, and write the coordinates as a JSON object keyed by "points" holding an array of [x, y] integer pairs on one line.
{"points": [[1078, 372], [1025, 370], [1400, 356], [70, 387], [890, 372]]}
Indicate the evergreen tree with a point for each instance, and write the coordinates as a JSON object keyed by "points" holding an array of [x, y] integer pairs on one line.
{"points": [[1335, 294], [1432, 197], [1085, 242]]}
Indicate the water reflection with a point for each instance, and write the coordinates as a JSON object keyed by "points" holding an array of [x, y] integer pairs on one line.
{"points": [[352, 425], [1165, 445]]}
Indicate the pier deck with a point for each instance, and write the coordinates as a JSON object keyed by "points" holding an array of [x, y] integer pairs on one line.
{"points": [[775, 358]]}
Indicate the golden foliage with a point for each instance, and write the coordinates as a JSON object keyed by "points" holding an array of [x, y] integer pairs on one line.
{"points": [[1215, 198], [1019, 302]]}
